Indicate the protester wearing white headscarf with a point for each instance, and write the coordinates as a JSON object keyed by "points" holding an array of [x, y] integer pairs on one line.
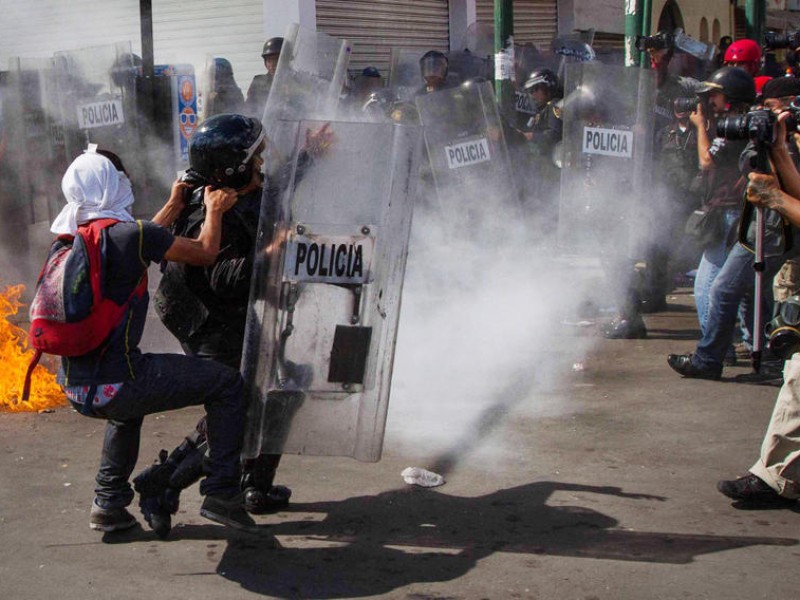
{"points": [[94, 189]]}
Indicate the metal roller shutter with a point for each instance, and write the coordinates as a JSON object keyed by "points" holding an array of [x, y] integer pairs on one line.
{"points": [[535, 21], [376, 26]]}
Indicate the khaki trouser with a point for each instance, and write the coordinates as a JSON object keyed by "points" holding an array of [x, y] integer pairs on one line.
{"points": [[787, 281], [779, 463]]}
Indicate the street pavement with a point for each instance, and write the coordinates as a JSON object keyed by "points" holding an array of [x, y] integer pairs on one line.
{"points": [[610, 496]]}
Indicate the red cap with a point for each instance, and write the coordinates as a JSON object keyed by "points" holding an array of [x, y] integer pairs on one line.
{"points": [[761, 80]]}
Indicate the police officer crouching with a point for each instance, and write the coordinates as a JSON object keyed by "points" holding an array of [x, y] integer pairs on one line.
{"points": [[206, 308]]}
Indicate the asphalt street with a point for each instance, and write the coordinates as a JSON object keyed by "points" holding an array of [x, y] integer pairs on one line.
{"points": [[612, 496]]}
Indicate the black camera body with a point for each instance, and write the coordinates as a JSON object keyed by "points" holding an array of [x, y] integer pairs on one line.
{"points": [[660, 41], [686, 104], [756, 125], [776, 41]]}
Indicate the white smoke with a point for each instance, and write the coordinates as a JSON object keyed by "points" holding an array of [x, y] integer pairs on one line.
{"points": [[483, 335]]}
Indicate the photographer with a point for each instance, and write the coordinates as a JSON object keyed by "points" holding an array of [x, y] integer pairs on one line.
{"points": [[774, 480], [729, 92]]}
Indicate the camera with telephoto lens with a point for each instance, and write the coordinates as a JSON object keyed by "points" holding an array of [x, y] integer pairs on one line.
{"points": [[660, 41], [757, 126], [686, 104], [776, 41]]}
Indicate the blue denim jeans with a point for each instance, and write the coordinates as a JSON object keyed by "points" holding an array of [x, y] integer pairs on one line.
{"points": [[710, 264], [733, 284], [167, 382]]}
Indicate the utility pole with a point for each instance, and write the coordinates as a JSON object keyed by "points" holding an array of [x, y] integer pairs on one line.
{"points": [[148, 61], [756, 16], [504, 53], [633, 27]]}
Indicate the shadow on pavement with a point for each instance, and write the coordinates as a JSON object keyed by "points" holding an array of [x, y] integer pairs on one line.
{"points": [[371, 545]]}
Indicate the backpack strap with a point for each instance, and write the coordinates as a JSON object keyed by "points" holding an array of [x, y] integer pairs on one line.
{"points": [[26, 388]]}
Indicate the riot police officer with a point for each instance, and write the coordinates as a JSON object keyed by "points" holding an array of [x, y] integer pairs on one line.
{"points": [[225, 96], [206, 308], [433, 67], [656, 282], [258, 92], [543, 131]]}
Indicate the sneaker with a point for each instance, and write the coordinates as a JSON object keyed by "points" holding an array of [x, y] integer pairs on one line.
{"points": [[682, 363], [110, 519], [752, 490], [229, 512]]}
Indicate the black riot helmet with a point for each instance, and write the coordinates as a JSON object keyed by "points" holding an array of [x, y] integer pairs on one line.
{"points": [[433, 63], [223, 147], [736, 84], [544, 77], [272, 46]]}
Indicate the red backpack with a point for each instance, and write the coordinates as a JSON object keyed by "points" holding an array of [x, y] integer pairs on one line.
{"points": [[69, 314]]}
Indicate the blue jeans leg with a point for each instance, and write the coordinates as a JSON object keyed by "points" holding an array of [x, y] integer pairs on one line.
{"points": [[710, 264], [733, 284], [167, 382]]}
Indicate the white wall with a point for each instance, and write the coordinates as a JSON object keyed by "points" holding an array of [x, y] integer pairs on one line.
{"points": [[184, 32]]}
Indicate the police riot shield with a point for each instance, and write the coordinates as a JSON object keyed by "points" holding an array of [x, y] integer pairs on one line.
{"points": [[308, 82], [469, 160], [608, 127], [325, 297], [35, 156], [99, 90], [405, 78]]}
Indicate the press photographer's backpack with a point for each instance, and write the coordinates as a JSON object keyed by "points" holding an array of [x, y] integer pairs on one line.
{"points": [[70, 316]]}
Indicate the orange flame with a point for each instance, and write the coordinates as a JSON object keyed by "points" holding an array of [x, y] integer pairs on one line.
{"points": [[15, 356]]}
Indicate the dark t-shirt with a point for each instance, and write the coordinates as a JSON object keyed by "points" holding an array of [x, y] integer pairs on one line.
{"points": [[130, 248], [724, 182]]}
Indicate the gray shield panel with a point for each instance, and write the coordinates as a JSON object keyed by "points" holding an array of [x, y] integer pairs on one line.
{"points": [[608, 125], [325, 296]]}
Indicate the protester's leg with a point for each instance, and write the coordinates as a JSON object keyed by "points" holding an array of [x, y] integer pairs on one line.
{"points": [[779, 463], [120, 451], [170, 381]]}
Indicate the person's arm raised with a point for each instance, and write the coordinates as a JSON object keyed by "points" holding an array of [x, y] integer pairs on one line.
{"points": [[203, 250]]}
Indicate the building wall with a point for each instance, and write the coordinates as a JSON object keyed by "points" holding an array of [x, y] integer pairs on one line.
{"points": [[693, 12], [234, 29]]}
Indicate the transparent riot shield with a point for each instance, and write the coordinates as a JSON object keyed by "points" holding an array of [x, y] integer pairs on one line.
{"points": [[308, 82], [608, 127], [469, 160], [404, 74], [219, 90], [325, 297], [100, 91], [35, 156]]}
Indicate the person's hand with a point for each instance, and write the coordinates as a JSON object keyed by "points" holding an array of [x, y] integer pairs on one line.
{"points": [[528, 135], [179, 193], [319, 141], [762, 189], [219, 199], [698, 117]]}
